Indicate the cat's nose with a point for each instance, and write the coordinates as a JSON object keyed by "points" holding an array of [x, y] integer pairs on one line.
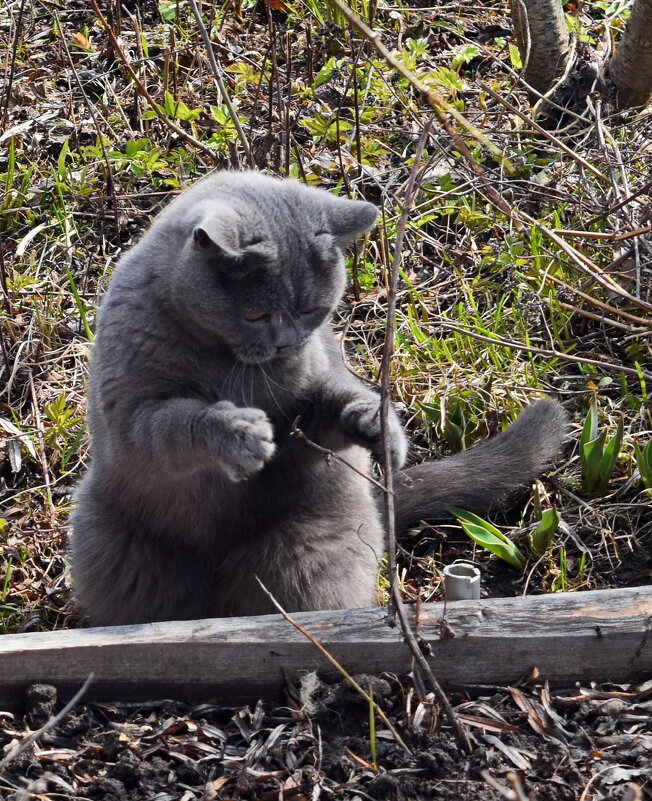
{"points": [[284, 332]]}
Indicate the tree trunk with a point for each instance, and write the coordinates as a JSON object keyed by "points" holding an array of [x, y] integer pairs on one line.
{"points": [[630, 67], [542, 38]]}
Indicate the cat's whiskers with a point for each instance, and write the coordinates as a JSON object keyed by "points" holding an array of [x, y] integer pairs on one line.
{"points": [[269, 381], [230, 384]]}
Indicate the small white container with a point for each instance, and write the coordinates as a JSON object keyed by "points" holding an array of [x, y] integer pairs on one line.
{"points": [[461, 582]]}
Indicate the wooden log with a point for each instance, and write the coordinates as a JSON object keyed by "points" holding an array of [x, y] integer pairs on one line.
{"points": [[586, 636]]}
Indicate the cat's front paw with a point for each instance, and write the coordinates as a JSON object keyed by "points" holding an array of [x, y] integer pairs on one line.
{"points": [[243, 439], [361, 419]]}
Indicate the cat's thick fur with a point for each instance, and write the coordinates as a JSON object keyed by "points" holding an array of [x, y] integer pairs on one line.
{"points": [[213, 338]]}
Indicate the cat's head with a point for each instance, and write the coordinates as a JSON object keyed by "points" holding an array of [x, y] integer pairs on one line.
{"points": [[261, 264]]}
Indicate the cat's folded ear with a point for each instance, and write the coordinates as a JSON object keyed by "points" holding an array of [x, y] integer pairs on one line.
{"points": [[350, 218], [214, 236]]}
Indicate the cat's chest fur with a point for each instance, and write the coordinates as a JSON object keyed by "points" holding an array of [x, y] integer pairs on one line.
{"points": [[282, 390]]}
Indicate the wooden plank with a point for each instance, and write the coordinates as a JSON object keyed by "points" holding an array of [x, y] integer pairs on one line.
{"points": [[585, 636]]}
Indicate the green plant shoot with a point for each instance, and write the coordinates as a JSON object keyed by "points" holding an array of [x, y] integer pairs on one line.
{"points": [[598, 457], [542, 536], [488, 536], [644, 463]]}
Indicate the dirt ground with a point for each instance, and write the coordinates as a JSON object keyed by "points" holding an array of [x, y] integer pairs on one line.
{"points": [[528, 743]]}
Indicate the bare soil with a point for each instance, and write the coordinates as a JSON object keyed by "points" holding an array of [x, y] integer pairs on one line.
{"points": [[528, 743]]}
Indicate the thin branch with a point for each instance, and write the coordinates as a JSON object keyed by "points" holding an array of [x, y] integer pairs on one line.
{"points": [[110, 186], [539, 129], [336, 665], [143, 89], [388, 351], [608, 235], [217, 74], [18, 30], [298, 433], [396, 605], [643, 321], [586, 265], [641, 191], [440, 106]]}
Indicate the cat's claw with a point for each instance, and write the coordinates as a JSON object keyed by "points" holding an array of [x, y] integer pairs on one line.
{"points": [[361, 418], [245, 442]]}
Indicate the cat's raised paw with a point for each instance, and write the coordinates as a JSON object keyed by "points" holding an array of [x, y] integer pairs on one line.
{"points": [[242, 438], [361, 418]]}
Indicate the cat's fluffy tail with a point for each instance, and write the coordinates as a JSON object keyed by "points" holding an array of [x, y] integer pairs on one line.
{"points": [[474, 479]]}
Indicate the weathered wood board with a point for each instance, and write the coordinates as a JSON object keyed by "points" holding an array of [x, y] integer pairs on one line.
{"points": [[585, 636]]}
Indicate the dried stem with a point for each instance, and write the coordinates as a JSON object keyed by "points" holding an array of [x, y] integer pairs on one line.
{"points": [[328, 454], [539, 129], [507, 343], [143, 89], [217, 74], [337, 666], [434, 99], [110, 186], [396, 605]]}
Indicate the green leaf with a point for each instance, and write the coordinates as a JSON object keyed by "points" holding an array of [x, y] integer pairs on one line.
{"points": [[464, 55], [543, 534], [488, 536], [515, 57], [591, 455], [61, 161], [610, 455], [324, 74], [644, 463], [590, 427], [168, 10]]}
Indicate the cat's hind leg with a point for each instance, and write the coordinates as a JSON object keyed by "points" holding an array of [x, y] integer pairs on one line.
{"points": [[121, 578]]}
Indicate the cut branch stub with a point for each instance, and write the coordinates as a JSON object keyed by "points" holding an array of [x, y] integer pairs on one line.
{"points": [[542, 38]]}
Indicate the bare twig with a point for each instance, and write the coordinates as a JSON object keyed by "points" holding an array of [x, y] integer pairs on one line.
{"points": [[143, 89], [32, 737], [38, 426], [586, 265], [12, 68], [539, 129], [388, 351], [608, 235], [645, 321], [217, 74], [641, 191], [299, 434], [110, 186], [434, 99], [396, 605], [336, 665]]}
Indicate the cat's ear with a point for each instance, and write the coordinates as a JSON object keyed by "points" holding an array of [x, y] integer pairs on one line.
{"points": [[209, 237], [214, 235], [350, 218]]}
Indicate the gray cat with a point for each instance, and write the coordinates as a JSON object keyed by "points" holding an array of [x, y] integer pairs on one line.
{"points": [[213, 338]]}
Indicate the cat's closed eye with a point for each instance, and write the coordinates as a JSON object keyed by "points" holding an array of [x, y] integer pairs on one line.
{"points": [[254, 317], [308, 310]]}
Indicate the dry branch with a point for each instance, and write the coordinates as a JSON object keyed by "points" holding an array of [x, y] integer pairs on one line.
{"points": [[191, 140]]}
